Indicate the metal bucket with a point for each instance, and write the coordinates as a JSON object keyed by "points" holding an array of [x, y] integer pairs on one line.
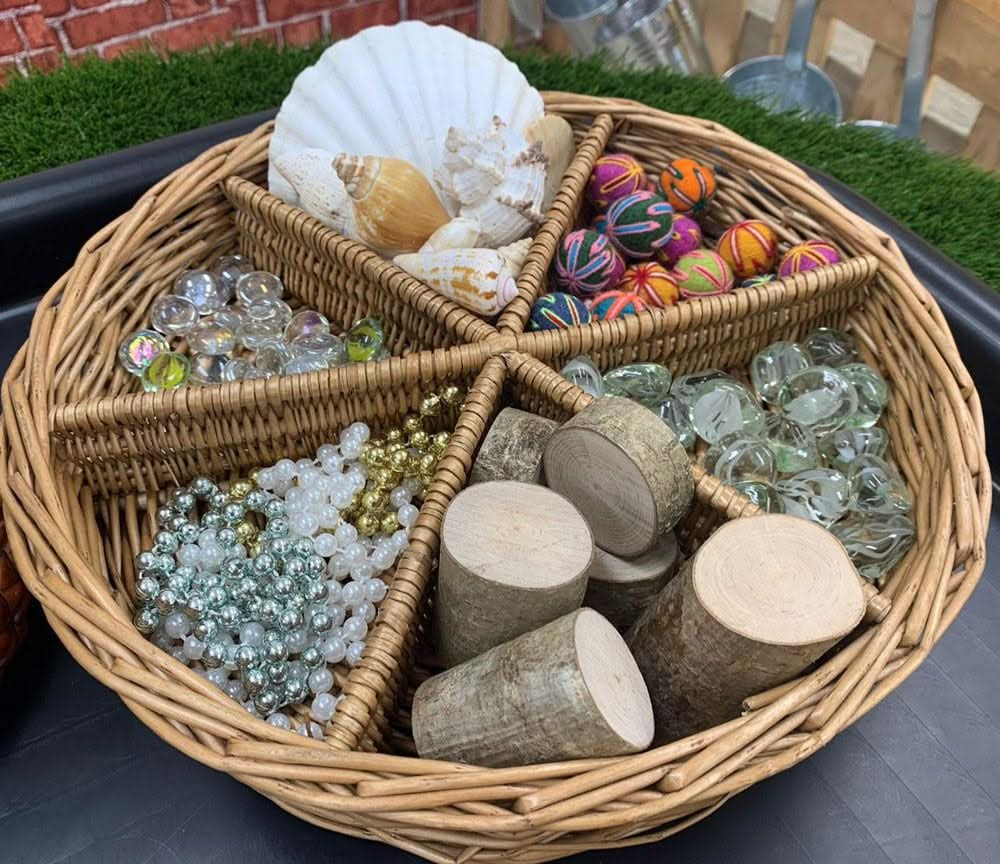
{"points": [[646, 34], [580, 20], [765, 80]]}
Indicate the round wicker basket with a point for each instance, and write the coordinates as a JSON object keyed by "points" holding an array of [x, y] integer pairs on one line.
{"points": [[14, 600], [85, 458]]}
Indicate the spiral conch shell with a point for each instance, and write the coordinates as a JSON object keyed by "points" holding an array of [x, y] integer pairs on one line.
{"points": [[395, 208], [495, 176], [478, 279]]}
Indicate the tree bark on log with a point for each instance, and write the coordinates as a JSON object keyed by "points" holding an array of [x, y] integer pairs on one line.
{"points": [[512, 449], [568, 690]]}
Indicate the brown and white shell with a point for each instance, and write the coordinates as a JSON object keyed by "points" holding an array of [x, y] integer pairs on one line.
{"points": [[478, 279], [556, 137]]}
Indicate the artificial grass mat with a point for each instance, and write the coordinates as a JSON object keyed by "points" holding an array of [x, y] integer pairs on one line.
{"points": [[95, 107]]}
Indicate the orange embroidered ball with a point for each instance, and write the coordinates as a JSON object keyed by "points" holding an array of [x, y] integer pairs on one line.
{"points": [[750, 248], [652, 282], [689, 185]]}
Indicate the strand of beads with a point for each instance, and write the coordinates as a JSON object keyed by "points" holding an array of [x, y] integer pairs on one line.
{"points": [[274, 583]]}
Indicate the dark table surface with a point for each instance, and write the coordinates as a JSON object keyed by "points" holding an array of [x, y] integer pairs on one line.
{"points": [[916, 781]]}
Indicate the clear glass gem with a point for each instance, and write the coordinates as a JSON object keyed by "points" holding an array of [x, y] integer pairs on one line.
{"points": [[582, 372], [272, 310], [231, 317], [873, 393], [228, 270], [167, 372], [272, 357], [677, 415], [830, 347], [173, 315], [645, 383], [877, 487], [202, 289], [306, 323], [819, 397], [308, 363], [256, 333], [139, 349], [738, 459], [724, 407], [684, 386], [321, 344], [211, 337], [793, 445], [257, 284], [364, 340], [239, 369], [819, 494], [764, 495], [838, 449], [208, 368], [875, 542], [774, 364]]}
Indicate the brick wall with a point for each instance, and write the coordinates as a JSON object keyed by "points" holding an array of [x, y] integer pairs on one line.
{"points": [[39, 32]]}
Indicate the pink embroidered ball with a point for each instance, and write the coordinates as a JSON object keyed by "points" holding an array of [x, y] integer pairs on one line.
{"points": [[586, 264], [615, 175], [685, 237], [808, 255], [702, 273]]}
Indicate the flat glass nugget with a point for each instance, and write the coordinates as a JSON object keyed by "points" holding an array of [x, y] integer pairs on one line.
{"points": [[211, 337], [306, 323], [239, 369], [320, 344], [838, 449], [739, 459], [256, 333], [227, 271], [793, 445], [202, 289], [819, 397], [364, 340], [724, 407], [139, 349], [308, 363], [257, 284], [272, 356], [272, 310], [685, 385], [173, 315], [582, 372], [167, 372], [208, 368], [873, 393], [876, 487], [677, 415], [830, 347], [820, 495], [764, 495], [645, 383], [774, 364], [231, 317], [875, 542]]}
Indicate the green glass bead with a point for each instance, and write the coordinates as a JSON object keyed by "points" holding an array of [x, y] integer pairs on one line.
{"points": [[873, 394], [582, 372], [722, 407], [838, 449], [830, 347], [166, 372], [793, 445], [819, 398], [364, 340], [645, 383], [677, 415], [875, 542], [774, 364], [877, 487], [738, 459], [764, 495], [819, 494], [684, 386]]}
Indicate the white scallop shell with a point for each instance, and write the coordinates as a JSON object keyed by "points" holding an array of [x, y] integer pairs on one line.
{"points": [[396, 91], [478, 279]]}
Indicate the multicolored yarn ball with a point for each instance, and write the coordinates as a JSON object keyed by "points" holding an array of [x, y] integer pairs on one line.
{"points": [[685, 237], [586, 263], [652, 282], [689, 185], [750, 248], [600, 223], [557, 311], [703, 273], [614, 304], [808, 255], [640, 224], [758, 281], [615, 175]]}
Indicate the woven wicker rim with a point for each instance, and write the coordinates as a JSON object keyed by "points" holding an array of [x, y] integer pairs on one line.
{"points": [[448, 812]]}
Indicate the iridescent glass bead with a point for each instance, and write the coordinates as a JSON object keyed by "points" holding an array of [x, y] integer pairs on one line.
{"points": [[875, 542], [173, 315], [819, 398], [256, 333], [272, 357], [830, 347], [320, 344], [211, 337], [256, 284], [873, 394], [202, 289], [819, 494], [582, 372], [764, 495], [793, 445], [770, 368], [364, 340], [167, 372], [139, 349], [722, 407], [305, 323], [877, 487], [272, 309], [231, 317], [840, 448], [739, 458], [645, 383], [677, 415], [228, 270], [208, 368]]}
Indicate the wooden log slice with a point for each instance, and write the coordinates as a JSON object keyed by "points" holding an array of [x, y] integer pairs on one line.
{"points": [[759, 602], [512, 449], [625, 471], [619, 588], [568, 690], [514, 556]]}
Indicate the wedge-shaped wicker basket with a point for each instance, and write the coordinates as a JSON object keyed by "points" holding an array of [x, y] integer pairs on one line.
{"points": [[84, 463]]}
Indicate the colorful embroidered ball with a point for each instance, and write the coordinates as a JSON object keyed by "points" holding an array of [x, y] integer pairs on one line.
{"points": [[685, 237], [688, 185], [703, 273], [652, 282], [808, 255], [586, 263], [640, 224], [758, 281], [750, 248], [614, 304], [557, 310], [615, 175], [600, 224]]}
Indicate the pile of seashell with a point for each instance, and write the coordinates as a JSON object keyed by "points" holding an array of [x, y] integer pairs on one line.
{"points": [[447, 169]]}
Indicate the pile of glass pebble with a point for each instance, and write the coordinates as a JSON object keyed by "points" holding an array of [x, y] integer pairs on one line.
{"points": [[237, 326], [800, 440]]}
